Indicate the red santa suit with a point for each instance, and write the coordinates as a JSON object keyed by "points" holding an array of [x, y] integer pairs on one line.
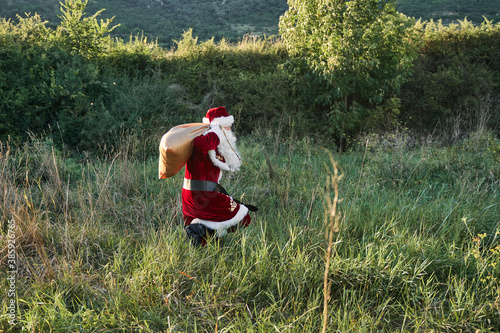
{"points": [[214, 151]]}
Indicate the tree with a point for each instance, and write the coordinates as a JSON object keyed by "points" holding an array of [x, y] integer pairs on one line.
{"points": [[360, 51], [85, 35]]}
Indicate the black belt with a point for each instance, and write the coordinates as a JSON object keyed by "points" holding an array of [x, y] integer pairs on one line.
{"points": [[208, 186], [202, 185]]}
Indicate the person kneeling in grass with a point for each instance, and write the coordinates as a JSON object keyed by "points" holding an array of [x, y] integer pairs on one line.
{"points": [[207, 209]]}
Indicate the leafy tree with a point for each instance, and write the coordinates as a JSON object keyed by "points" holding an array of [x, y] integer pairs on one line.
{"points": [[85, 34], [359, 52]]}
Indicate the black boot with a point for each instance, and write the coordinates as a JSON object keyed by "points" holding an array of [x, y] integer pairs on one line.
{"points": [[198, 234]]}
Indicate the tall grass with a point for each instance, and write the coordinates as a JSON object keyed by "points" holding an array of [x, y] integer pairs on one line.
{"points": [[100, 245]]}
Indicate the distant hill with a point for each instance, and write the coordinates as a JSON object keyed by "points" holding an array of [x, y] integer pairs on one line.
{"points": [[451, 10], [166, 20]]}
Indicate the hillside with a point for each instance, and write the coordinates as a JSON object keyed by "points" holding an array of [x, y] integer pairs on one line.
{"points": [[450, 11], [166, 20]]}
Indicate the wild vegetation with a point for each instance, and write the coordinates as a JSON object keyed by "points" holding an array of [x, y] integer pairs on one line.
{"points": [[359, 53], [99, 244], [85, 88]]}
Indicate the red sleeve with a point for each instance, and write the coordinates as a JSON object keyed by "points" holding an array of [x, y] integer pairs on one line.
{"points": [[204, 143]]}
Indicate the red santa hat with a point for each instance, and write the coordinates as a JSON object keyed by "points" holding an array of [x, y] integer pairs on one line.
{"points": [[218, 116]]}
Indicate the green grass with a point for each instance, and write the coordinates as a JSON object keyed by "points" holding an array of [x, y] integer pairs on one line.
{"points": [[100, 245]]}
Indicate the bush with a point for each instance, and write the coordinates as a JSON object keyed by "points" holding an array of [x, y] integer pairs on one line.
{"points": [[455, 78], [354, 54], [245, 77]]}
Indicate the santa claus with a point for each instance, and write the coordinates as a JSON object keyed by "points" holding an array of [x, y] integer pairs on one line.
{"points": [[207, 208]]}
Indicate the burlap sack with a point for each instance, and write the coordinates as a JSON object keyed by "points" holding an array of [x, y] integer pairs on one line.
{"points": [[176, 146]]}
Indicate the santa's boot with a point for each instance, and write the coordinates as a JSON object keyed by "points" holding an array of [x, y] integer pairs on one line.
{"points": [[198, 234]]}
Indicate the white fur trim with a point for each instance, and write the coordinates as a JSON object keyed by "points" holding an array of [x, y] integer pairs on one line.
{"points": [[221, 227], [223, 121]]}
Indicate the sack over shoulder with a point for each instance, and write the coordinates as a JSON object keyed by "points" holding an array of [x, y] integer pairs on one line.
{"points": [[176, 146]]}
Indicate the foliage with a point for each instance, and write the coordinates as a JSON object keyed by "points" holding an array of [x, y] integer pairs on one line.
{"points": [[91, 99], [455, 79], [358, 53], [245, 77], [46, 87], [27, 93], [84, 34]]}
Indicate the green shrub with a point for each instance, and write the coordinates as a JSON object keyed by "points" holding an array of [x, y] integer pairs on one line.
{"points": [[455, 78], [356, 55], [245, 77]]}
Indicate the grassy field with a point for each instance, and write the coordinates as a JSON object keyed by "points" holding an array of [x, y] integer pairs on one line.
{"points": [[100, 247]]}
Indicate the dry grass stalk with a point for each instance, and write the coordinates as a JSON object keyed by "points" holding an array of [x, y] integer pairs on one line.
{"points": [[332, 221]]}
